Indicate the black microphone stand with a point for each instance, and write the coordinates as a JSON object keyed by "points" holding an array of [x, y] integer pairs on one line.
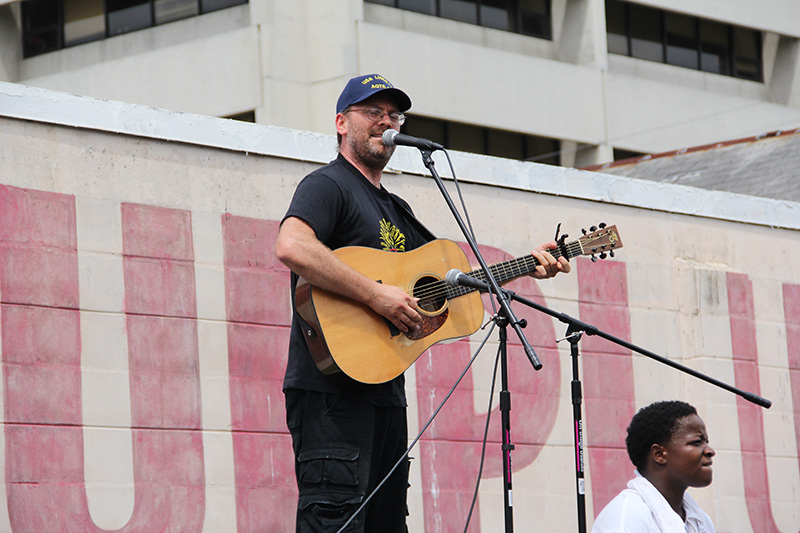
{"points": [[573, 336], [575, 331], [505, 318]]}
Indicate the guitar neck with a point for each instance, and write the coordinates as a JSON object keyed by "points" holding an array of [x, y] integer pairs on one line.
{"points": [[601, 241], [511, 269], [506, 271]]}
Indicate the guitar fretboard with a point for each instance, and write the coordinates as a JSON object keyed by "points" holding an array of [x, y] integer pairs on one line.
{"points": [[434, 293], [505, 271]]}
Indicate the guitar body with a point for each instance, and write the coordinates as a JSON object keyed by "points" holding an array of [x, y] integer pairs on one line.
{"points": [[346, 336]]}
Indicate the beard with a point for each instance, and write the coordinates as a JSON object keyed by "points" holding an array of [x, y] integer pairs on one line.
{"points": [[372, 155]]}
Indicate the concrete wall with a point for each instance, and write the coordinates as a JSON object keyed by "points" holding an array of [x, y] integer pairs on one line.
{"points": [[288, 60], [144, 327]]}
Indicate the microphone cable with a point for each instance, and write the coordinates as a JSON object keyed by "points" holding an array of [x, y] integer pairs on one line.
{"points": [[466, 217], [485, 440]]}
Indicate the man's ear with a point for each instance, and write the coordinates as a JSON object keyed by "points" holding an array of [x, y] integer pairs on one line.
{"points": [[658, 454], [341, 124]]}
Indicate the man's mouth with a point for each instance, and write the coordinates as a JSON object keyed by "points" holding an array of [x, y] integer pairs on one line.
{"points": [[377, 139]]}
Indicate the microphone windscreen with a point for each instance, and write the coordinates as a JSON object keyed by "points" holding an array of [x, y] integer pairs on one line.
{"points": [[388, 137], [451, 278]]}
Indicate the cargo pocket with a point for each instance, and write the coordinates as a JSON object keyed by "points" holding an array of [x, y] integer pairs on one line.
{"points": [[333, 465], [329, 490]]}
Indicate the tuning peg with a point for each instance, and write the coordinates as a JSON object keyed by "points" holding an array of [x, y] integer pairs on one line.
{"points": [[593, 228], [583, 230], [603, 255], [611, 253], [602, 225], [594, 258]]}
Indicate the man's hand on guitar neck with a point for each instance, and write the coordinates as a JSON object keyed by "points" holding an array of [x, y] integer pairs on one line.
{"points": [[548, 266]]}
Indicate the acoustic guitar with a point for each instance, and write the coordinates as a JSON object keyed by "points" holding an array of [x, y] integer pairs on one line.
{"points": [[345, 336]]}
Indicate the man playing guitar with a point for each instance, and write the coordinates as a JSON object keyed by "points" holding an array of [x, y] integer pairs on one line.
{"points": [[346, 434]]}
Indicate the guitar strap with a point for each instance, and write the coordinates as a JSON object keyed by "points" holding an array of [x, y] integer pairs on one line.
{"points": [[426, 233]]}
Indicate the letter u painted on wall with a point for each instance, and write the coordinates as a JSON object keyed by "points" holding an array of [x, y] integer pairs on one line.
{"points": [[41, 353]]}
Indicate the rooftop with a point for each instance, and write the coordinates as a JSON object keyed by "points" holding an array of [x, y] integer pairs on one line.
{"points": [[767, 166]]}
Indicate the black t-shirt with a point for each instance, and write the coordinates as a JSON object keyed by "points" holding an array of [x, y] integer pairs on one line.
{"points": [[345, 209]]}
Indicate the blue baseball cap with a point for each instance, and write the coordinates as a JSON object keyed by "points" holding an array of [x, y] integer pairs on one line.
{"points": [[360, 88]]}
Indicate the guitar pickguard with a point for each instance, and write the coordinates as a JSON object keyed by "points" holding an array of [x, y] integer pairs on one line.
{"points": [[428, 325]]}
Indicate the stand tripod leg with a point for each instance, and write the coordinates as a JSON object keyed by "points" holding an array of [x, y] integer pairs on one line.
{"points": [[577, 400], [505, 412]]}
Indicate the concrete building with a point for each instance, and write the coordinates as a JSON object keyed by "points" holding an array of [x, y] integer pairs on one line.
{"points": [[570, 82]]}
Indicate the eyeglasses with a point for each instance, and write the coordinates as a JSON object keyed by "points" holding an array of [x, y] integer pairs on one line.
{"points": [[375, 114]]}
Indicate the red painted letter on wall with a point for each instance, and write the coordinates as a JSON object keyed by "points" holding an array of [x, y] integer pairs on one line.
{"points": [[41, 365], [259, 313], [746, 374], [607, 376]]}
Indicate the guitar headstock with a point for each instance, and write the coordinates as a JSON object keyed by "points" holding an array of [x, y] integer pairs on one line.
{"points": [[600, 241]]}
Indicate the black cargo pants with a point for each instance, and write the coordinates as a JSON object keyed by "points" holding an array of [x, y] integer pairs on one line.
{"points": [[343, 448]]}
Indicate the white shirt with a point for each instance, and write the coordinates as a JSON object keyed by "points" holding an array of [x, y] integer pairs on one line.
{"points": [[642, 509]]}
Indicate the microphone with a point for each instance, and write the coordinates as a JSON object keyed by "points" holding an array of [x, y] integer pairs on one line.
{"points": [[456, 278], [395, 138]]}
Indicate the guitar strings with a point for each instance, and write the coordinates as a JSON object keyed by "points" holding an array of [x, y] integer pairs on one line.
{"points": [[439, 289]]}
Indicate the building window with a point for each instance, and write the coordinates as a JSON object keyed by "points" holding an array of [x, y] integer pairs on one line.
{"points": [[169, 10], [647, 41], [620, 154], [683, 46], [247, 116], [529, 17], [125, 16], [49, 25], [41, 27], [647, 33], [84, 21], [715, 54], [485, 141]]}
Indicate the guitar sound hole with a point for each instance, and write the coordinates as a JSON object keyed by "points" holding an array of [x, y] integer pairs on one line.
{"points": [[431, 294]]}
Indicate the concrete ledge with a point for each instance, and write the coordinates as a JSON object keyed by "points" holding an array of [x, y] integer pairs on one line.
{"points": [[41, 105]]}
